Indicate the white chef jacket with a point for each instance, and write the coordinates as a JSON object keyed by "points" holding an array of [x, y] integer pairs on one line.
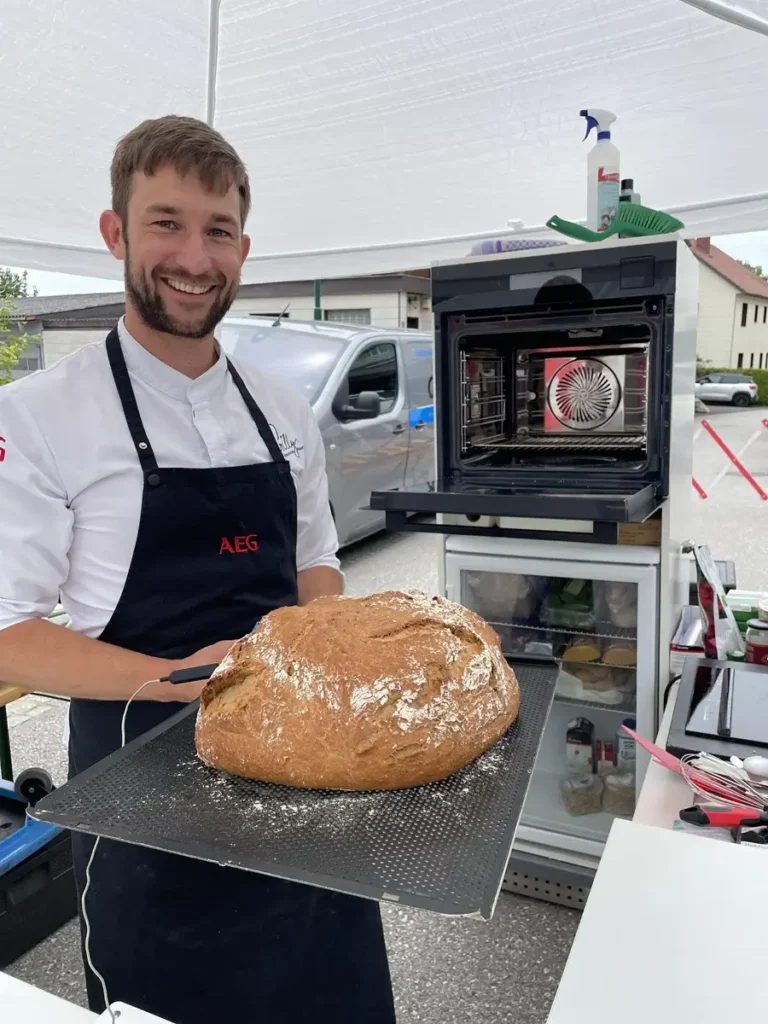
{"points": [[71, 484]]}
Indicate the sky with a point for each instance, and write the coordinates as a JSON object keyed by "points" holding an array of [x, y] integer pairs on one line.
{"points": [[751, 247]]}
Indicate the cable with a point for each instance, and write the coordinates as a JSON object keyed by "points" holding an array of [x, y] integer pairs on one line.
{"points": [[670, 684], [114, 1014]]}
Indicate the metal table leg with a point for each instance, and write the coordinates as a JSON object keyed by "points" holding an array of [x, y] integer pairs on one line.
{"points": [[6, 767]]}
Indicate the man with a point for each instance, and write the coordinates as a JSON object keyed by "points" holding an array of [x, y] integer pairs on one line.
{"points": [[131, 469]]}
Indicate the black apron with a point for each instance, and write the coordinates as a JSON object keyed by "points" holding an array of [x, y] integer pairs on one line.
{"points": [[190, 941]]}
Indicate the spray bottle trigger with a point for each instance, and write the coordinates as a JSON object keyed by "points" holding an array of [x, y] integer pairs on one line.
{"points": [[592, 122]]}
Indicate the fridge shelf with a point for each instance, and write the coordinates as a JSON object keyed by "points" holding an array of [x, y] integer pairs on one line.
{"points": [[565, 664], [551, 816], [626, 708], [601, 630]]}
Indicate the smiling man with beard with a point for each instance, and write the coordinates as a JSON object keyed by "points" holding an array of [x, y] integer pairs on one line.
{"points": [[144, 487]]}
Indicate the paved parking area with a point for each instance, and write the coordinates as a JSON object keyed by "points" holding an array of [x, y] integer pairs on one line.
{"points": [[498, 973]]}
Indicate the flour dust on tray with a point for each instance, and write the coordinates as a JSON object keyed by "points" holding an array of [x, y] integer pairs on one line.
{"points": [[382, 692]]}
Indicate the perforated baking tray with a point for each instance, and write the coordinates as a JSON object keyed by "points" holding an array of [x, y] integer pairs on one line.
{"points": [[442, 847]]}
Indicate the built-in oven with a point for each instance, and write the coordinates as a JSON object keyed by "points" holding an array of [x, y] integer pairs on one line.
{"points": [[558, 377]]}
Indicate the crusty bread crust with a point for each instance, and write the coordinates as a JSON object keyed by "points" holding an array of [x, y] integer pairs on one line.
{"points": [[383, 692]]}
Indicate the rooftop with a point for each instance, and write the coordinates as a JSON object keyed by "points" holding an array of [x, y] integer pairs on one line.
{"points": [[733, 271]]}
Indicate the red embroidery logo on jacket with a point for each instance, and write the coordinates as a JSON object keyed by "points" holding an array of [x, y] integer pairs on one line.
{"points": [[2, 450], [239, 545]]}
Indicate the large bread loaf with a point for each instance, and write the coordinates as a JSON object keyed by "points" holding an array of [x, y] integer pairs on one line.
{"points": [[381, 692]]}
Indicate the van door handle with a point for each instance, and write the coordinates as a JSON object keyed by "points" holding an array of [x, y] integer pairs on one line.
{"points": [[420, 425], [399, 429]]}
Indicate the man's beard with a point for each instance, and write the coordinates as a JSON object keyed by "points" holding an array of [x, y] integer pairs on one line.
{"points": [[149, 304]]}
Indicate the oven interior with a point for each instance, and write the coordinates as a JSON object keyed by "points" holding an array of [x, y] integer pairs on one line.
{"points": [[553, 394]]}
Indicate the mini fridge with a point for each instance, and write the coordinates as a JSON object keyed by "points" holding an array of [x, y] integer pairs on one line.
{"points": [[589, 611]]}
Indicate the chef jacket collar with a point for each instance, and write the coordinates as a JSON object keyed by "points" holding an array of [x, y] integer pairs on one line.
{"points": [[159, 375]]}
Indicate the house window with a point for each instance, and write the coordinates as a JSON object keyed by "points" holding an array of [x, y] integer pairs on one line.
{"points": [[765, 312], [412, 323], [740, 359], [744, 308], [757, 310], [751, 360], [30, 360], [349, 316], [760, 364]]}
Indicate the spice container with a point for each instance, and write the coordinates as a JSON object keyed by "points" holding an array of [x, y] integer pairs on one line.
{"points": [[604, 757], [626, 754], [757, 642], [582, 796], [579, 747], [619, 794]]}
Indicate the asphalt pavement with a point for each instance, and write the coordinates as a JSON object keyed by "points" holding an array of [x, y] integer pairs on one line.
{"points": [[444, 969]]}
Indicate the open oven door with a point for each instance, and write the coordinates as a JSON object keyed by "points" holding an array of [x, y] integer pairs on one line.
{"points": [[454, 506]]}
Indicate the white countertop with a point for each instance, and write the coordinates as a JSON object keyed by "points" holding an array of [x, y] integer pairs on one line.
{"points": [[664, 794], [673, 930], [24, 1004]]}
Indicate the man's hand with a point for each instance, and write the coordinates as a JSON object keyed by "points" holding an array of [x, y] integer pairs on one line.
{"points": [[319, 581], [38, 655], [211, 655]]}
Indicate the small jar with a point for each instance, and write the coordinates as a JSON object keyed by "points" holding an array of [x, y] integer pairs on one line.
{"points": [[757, 642]]}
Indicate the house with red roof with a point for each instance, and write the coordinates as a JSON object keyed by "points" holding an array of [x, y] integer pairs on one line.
{"points": [[733, 310]]}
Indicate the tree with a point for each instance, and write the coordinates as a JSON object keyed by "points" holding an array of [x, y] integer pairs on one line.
{"points": [[755, 269], [14, 285], [12, 345]]}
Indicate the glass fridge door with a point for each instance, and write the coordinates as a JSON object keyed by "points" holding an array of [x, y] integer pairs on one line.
{"points": [[595, 625]]}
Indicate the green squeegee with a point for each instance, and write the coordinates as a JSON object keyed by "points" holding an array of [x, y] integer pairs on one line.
{"points": [[632, 219]]}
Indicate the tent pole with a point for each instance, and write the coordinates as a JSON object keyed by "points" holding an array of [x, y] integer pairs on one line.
{"points": [[734, 15], [213, 61]]}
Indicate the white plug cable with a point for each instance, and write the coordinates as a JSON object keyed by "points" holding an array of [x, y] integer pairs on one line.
{"points": [[114, 1014]]}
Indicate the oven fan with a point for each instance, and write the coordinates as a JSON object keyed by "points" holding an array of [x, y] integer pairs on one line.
{"points": [[584, 394]]}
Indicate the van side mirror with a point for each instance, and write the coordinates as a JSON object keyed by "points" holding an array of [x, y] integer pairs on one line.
{"points": [[367, 407]]}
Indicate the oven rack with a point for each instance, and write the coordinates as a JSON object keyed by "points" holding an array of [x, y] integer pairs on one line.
{"points": [[560, 441]]}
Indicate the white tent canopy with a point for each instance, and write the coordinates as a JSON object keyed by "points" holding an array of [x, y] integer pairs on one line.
{"points": [[381, 134]]}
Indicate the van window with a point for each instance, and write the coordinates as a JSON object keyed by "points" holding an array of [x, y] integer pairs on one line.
{"points": [[375, 369]]}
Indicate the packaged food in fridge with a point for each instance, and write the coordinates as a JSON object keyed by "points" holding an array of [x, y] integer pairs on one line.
{"points": [[569, 605], [626, 752], [502, 596], [581, 649], [620, 601], [619, 794], [583, 681], [582, 795], [579, 747], [604, 757], [621, 653]]}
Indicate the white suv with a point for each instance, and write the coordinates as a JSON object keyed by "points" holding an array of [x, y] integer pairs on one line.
{"points": [[736, 388]]}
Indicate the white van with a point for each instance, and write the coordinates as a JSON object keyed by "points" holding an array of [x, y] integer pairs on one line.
{"points": [[372, 393]]}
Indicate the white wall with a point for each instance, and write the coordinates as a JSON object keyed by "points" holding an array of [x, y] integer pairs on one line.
{"points": [[389, 309], [750, 341], [57, 344], [717, 301]]}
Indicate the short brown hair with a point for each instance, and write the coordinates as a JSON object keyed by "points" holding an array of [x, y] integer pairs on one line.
{"points": [[187, 145]]}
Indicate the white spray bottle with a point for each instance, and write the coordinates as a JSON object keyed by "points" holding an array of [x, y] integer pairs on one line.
{"points": [[603, 175]]}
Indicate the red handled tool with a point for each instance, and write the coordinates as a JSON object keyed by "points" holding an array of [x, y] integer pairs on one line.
{"points": [[718, 816]]}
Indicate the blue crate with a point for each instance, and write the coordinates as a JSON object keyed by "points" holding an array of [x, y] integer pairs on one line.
{"points": [[25, 838]]}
